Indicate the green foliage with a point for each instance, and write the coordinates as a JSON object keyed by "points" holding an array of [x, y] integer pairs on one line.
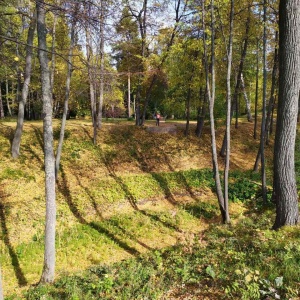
{"points": [[249, 268]]}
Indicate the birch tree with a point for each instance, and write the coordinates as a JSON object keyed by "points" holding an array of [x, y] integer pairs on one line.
{"points": [[15, 149], [49, 160]]}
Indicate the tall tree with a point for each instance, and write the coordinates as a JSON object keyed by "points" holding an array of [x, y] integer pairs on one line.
{"points": [[49, 160], [263, 118], [67, 92], [15, 149], [211, 97], [287, 211], [228, 115]]}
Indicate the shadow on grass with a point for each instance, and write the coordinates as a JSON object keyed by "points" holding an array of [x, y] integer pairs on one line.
{"points": [[39, 136], [88, 134], [132, 199], [14, 258], [64, 189], [7, 132], [119, 181]]}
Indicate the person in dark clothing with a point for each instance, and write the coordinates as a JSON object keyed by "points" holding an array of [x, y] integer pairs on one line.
{"points": [[157, 117]]}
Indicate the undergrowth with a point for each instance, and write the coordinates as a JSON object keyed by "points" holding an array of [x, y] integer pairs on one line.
{"points": [[242, 261]]}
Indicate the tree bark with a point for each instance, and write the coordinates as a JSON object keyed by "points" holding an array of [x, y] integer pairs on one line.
{"points": [[101, 87], [15, 149], [287, 211], [89, 54], [53, 61], [1, 103], [256, 90], [247, 100], [7, 96], [201, 112], [49, 252], [263, 121], [67, 93]]}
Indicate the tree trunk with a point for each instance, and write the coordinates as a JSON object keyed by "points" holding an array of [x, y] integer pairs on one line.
{"points": [[263, 121], [7, 97], [211, 97], [247, 100], [1, 103], [129, 104], [101, 88], [49, 252], [67, 94], [228, 115], [15, 149], [201, 112], [287, 211], [53, 61], [256, 90], [89, 54], [188, 112], [272, 94]]}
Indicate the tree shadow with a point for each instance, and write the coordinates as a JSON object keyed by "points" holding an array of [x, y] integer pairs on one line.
{"points": [[14, 258], [7, 132], [34, 154], [93, 200], [39, 136], [112, 173], [87, 133], [64, 189]]}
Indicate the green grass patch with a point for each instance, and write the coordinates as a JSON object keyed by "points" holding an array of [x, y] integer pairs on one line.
{"points": [[255, 263]]}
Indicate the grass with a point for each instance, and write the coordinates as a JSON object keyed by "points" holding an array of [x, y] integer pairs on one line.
{"points": [[137, 219]]}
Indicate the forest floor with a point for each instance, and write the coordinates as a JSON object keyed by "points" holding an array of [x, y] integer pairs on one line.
{"points": [[136, 192]]}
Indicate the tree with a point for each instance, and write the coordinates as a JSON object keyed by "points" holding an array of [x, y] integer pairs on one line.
{"points": [[49, 160], [211, 96], [67, 95], [228, 115], [287, 211], [15, 149]]}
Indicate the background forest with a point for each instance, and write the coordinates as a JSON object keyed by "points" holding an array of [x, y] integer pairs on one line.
{"points": [[183, 211]]}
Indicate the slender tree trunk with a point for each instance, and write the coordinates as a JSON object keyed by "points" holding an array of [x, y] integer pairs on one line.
{"points": [[7, 96], [188, 112], [49, 252], [1, 103], [287, 210], [201, 112], [263, 121], [67, 93], [89, 53], [211, 97], [101, 88], [53, 61], [256, 90], [228, 115], [272, 94], [15, 149], [247, 100], [129, 104]]}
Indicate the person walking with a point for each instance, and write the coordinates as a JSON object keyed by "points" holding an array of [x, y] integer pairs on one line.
{"points": [[157, 117]]}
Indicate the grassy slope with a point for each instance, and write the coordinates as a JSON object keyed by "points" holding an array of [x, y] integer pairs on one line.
{"points": [[115, 201]]}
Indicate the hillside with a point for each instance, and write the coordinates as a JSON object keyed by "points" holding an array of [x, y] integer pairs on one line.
{"points": [[134, 193]]}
